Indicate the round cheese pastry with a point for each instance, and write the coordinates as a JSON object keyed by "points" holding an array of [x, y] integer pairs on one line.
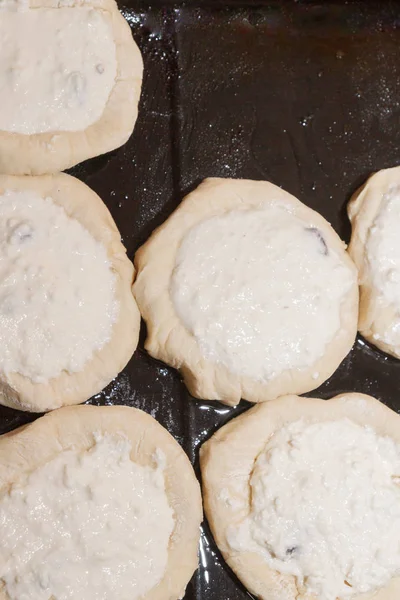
{"points": [[69, 322], [96, 502], [303, 498], [248, 292], [70, 80], [374, 212]]}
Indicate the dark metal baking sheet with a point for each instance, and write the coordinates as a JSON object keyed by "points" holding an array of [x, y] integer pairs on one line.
{"points": [[304, 94]]}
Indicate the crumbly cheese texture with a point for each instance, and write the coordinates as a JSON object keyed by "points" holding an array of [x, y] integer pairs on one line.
{"points": [[325, 507], [383, 256], [57, 289], [57, 68], [92, 525], [260, 290]]}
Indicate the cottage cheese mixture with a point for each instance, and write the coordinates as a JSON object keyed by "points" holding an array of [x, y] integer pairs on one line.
{"points": [[326, 508], [383, 256], [91, 525], [57, 68], [57, 289], [260, 290]]}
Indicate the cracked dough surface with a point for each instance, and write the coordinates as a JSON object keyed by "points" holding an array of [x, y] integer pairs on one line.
{"points": [[54, 151], [25, 449], [82, 204], [227, 461], [169, 340], [378, 315]]}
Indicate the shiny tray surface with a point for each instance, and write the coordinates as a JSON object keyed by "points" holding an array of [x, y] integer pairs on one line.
{"points": [[304, 94]]}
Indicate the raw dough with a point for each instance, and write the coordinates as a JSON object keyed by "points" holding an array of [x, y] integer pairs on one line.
{"points": [[374, 212], [71, 118], [75, 428], [227, 464], [210, 322], [74, 386]]}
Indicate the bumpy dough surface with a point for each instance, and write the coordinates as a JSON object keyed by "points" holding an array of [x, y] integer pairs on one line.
{"points": [[227, 461], [33, 445], [55, 151], [82, 204], [378, 315], [168, 338]]}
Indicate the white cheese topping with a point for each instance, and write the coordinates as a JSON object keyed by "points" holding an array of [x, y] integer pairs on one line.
{"points": [[57, 289], [383, 256], [57, 68], [91, 525], [260, 290], [325, 507]]}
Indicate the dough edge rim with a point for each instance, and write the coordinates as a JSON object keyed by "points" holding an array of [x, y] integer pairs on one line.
{"points": [[51, 152], [146, 435], [363, 208], [264, 419], [167, 338], [81, 203]]}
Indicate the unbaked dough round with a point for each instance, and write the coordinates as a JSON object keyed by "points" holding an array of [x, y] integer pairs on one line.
{"points": [[85, 211], [77, 428], [248, 292], [228, 461], [374, 212], [105, 75]]}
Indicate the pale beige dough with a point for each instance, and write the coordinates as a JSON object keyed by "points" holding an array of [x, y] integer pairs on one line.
{"points": [[376, 315], [54, 151], [82, 204], [29, 447], [227, 461], [167, 337]]}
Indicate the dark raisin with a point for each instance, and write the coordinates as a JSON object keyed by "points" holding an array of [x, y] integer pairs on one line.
{"points": [[291, 550], [21, 233], [318, 234]]}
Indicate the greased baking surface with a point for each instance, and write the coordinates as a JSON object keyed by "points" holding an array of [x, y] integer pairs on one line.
{"points": [[260, 290], [383, 256], [57, 289], [325, 507], [57, 68], [91, 525]]}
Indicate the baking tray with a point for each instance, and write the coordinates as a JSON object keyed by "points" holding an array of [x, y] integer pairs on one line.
{"points": [[303, 94]]}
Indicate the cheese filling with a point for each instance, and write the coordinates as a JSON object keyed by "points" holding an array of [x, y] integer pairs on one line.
{"points": [[57, 68], [260, 290], [91, 525], [325, 507], [383, 256], [57, 289]]}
